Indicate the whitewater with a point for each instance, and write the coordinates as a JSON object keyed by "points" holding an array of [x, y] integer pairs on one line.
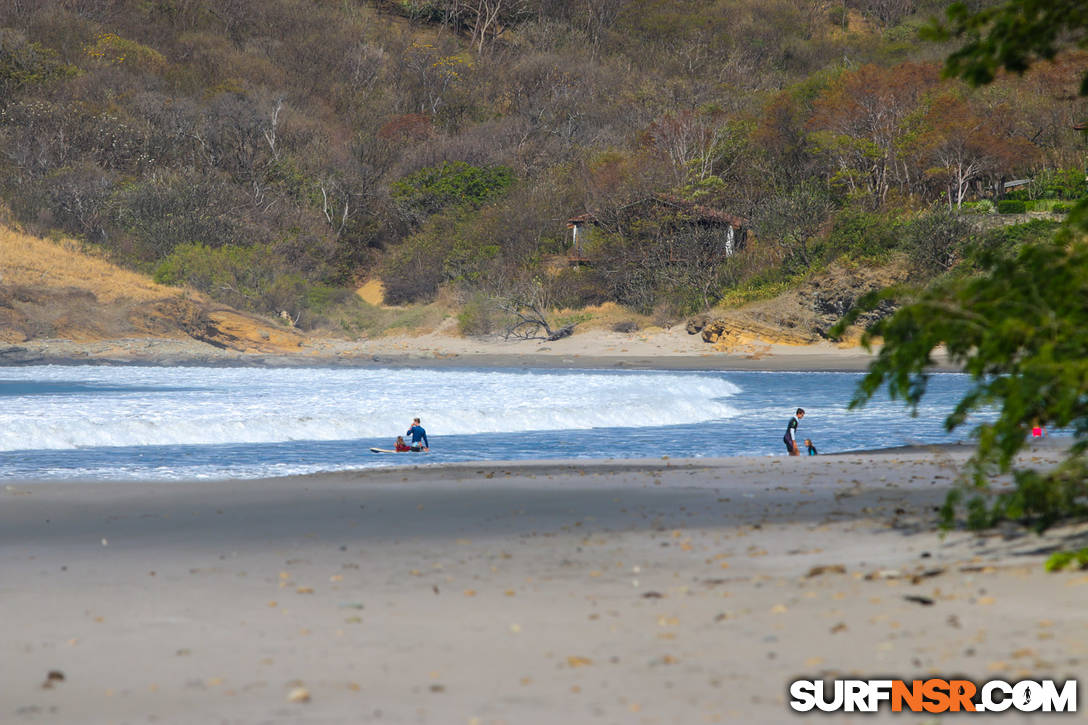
{"points": [[102, 422]]}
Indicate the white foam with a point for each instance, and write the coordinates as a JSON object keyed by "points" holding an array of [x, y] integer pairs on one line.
{"points": [[197, 406]]}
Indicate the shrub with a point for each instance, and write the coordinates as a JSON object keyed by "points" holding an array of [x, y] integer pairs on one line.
{"points": [[419, 11], [455, 183], [795, 222], [244, 277], [24, 64], [1011, 206], [1051, 205], [1062, 559], [279, 291], [1061, 208], [862, 235], [982, 206], [577, 287], [669, 312], [1007, 239], [933, 240], [77, 198], [321, 298], [760, 287], [478, 316], [114, 50], [160, 213], [1066, 184], [200, 266], [413, 271], [837, 16], [469, 261]]}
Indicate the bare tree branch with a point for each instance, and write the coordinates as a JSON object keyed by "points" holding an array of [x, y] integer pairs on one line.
{"points": [[526, 306]]}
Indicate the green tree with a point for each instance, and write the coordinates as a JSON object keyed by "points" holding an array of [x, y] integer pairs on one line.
{"points": [[456, 183], [1014, 320]]}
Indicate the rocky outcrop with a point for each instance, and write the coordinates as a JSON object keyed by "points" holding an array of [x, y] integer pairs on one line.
{"points": [[727, 333], [697, 323], [802, 316], [830, 298], [167, 317]]}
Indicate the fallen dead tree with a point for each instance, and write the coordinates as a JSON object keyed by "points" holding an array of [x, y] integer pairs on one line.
{"points": [[528, 320]]}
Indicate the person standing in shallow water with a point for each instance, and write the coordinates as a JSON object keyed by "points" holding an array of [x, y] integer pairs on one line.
{"points": [[418, 434], [790, 439]]}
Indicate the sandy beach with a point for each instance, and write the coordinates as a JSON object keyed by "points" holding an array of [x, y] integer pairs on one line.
{"points": [[671, 349], [658, 591]]}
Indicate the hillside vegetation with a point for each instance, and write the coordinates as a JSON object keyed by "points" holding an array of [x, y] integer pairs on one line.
{"points": [[51, 289], [276, 155]]}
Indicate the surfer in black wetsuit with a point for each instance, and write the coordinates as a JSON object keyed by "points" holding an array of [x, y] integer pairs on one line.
{"points": [[790, 439], [418, 434]]}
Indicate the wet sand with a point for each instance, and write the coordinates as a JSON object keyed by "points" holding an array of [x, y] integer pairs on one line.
{"points": [[661, 591]]}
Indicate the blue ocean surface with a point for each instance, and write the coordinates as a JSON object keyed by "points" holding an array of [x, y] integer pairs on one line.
{"points": [[187, 423]]}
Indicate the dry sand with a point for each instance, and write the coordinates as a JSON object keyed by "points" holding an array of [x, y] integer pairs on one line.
{"points": [[584, 592], [671, 349]]}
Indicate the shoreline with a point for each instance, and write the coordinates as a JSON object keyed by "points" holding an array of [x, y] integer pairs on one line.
{"points": [[421, 471], [653, 591]]}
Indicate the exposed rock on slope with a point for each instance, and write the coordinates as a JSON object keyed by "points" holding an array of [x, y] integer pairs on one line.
{"points": [[830, 297], [799, 317]]}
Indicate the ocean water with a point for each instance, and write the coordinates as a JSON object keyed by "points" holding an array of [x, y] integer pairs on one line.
{"points": [[116, 423]]}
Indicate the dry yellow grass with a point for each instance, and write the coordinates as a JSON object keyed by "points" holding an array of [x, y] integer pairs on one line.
{"points": [[58, 290], [34, 262], [604, 316]]}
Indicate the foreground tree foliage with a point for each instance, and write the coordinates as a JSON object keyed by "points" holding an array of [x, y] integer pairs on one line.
{"points": [[1012, 35], [1015, 320], [1016, 324]]}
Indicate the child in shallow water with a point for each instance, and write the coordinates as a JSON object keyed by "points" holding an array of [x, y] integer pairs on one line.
{"points": [[401, 446], [811, 448]]}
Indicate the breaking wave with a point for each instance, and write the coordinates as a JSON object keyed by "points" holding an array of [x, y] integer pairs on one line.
{"points": [[65, 407]]}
